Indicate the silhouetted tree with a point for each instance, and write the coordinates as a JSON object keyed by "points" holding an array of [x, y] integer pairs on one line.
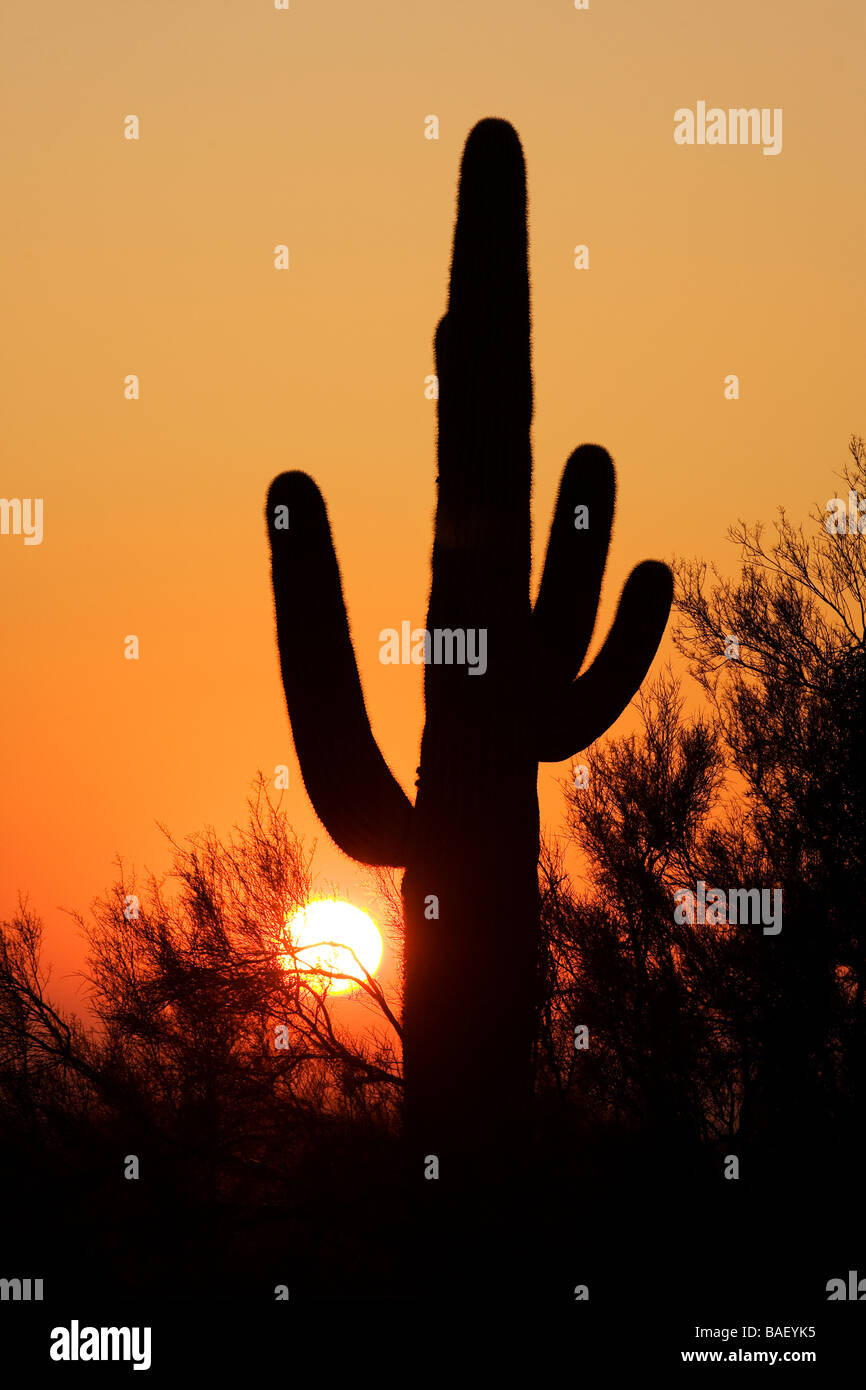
{"points": [[617, 962], [189, 980], [209, 965], [791, 708], [719, 1032]]}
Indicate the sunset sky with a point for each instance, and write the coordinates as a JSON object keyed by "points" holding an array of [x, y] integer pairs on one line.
{"points": [[306, 127]]}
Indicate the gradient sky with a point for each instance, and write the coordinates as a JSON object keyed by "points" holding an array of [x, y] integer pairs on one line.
{"points": [[306, 127]]}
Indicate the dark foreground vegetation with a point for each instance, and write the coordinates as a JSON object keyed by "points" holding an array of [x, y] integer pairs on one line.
{"points": [[704, 1041]]}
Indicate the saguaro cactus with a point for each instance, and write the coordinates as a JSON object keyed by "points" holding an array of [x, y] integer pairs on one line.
{"points": [[470, 842]]}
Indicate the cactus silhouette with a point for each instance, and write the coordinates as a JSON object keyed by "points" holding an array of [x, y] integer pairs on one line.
{"points": [[470, 843]]}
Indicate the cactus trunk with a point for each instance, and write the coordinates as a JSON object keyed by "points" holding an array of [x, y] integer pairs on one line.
{"points": [[468, 1011]]}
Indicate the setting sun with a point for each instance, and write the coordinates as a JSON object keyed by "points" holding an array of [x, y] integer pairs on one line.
{"points": [[335, 938]]}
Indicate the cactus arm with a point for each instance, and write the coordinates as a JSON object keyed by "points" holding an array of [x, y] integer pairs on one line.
{"points": [[351, 787], [583, 710], [565, 610], [571, 714]]}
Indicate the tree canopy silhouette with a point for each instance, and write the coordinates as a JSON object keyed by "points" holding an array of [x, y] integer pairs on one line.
{"points": [[720, 1034], [239, 1129]]}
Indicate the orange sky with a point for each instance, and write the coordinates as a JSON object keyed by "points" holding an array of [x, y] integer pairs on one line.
{"points": [[155, 257]]}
